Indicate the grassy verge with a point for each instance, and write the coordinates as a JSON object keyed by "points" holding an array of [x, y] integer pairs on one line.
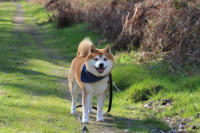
{"points": [[152, 84]]}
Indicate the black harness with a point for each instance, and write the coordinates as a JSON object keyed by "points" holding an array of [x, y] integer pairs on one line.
{"points": [[111, 94]]}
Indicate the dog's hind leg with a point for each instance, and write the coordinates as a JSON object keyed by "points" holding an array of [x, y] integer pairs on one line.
{"points": [[74, 94]]}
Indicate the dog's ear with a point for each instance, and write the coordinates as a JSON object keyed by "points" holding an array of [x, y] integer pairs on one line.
{"points": [[108, 49], [92, 49]]}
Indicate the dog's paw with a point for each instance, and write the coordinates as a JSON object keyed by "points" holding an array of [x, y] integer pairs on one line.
{"points": [[100, 119], [84, 120]]}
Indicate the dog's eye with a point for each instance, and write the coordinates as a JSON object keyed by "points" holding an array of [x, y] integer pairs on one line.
{"points": [[105, 59], [96, 59]]}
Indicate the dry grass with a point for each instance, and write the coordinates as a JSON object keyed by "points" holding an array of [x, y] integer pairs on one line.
{"points": [[173, 32]]}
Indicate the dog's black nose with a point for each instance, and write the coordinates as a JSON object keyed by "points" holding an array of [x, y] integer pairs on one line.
{"points": [[101, 65]]}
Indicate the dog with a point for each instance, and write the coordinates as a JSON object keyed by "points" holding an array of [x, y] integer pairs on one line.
{"points": [[90, 71]]}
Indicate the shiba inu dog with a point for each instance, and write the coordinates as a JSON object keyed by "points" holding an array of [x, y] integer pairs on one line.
{"points": [[90, 71]]}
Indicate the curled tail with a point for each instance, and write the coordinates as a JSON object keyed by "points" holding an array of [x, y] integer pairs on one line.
{"points": [[84, 47]]}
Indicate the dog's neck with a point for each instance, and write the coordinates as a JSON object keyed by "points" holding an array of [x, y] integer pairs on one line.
{"points": [[88, 77]]}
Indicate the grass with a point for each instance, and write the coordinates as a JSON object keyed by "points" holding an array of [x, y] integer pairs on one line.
{"points": [[33, 98], [154, 81]]}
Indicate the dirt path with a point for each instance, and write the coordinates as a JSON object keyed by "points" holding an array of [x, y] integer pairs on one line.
{"points": [[20, 28]]}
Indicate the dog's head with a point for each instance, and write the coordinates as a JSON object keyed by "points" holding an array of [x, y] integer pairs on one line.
{"points": [[99, 61]]}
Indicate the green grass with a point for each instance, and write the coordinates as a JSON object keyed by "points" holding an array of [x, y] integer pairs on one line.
{"points": [[154, 81], [31, 99], [32, 96]]}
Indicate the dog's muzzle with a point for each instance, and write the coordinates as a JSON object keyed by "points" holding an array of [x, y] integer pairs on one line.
{"points": [[101, 68]]}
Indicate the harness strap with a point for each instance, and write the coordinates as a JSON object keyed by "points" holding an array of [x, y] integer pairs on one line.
{"points": [[111, 94]]}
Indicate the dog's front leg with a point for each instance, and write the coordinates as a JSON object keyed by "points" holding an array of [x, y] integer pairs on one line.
{"points": [[85, 102], [90, 105], [100, 103]]}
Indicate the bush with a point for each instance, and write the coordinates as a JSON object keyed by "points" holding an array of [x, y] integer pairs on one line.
{"points": [[119, 22], [166, 29], [174, 34], [63, 13]]}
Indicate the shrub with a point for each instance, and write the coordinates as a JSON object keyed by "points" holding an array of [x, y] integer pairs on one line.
{"points": [[63, 13], [166, 29], [174, 34]]}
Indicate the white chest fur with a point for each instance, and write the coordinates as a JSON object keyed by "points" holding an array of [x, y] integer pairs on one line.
{"points": [[98, 87]]}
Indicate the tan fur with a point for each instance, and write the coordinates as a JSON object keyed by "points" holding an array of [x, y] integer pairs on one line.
{"points": [[82, 56], [84, 47], [86, 51]]}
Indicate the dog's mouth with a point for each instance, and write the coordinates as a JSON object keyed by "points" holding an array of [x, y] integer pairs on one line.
{"points": [[100, 69]]}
